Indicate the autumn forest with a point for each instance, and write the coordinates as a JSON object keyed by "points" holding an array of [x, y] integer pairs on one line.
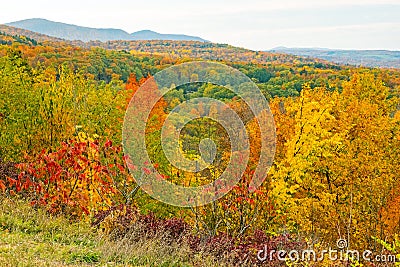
{"points": [[335, 173]]}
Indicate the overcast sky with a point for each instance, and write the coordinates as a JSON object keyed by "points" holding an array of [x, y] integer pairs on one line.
{"points": [[254, 24]]}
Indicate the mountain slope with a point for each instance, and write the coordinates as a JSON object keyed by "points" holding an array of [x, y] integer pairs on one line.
{"points": [[369, 58], [74, 32], [9, 30], [69, 31], [151, 35]]}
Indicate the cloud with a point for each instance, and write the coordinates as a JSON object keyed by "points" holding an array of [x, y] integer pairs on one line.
{"points": [[352, 28]]}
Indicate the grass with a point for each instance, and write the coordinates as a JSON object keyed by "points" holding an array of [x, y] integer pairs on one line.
{"points": [[31, 237]]}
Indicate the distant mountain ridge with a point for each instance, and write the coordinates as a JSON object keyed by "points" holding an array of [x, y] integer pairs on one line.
{"points": [[368, 58], [74, 32], [42, 30]]}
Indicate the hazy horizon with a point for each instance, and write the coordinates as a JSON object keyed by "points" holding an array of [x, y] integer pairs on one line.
{"points": [[254, 24]]}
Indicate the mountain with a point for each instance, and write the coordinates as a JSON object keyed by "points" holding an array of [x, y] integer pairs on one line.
{"points": [[30, 34], [151, 35], [369, 58], [86, 34]]}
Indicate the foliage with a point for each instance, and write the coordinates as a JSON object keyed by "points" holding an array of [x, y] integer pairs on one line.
{"points": [[83, 176], [62, 106], [339, 156]]}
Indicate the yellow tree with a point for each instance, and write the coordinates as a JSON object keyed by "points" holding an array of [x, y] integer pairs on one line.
{"points": [[339, 165]]}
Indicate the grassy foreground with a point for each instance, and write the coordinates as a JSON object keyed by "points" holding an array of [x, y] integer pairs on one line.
{"points": [[30, 237]]}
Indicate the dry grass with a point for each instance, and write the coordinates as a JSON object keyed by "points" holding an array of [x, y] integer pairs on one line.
{"points": [[30, 237]]}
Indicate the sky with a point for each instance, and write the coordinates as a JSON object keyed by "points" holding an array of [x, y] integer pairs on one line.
{"points": [[253, 24]]}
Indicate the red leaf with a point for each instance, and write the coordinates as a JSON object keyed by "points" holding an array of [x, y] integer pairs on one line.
{"points": [[94, 145], [146, 170], [108, 144], [85, 210], [2, 186], [11, 180]]}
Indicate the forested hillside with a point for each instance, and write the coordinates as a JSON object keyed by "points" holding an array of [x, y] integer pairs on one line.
{"points": [[62, 106], [368, 58]]}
